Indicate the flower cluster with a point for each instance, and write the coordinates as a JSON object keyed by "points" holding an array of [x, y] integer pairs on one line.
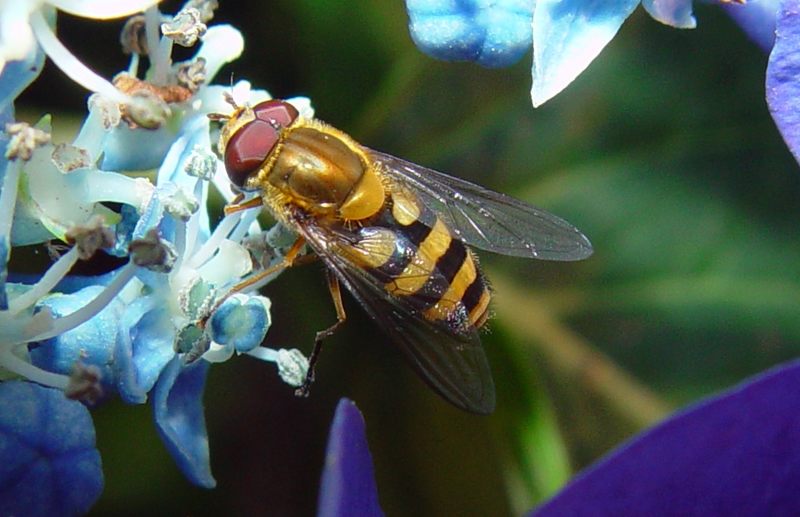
{"points": [[150, 328]]}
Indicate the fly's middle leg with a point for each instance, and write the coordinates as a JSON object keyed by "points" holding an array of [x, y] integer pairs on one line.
{"points": [[336, 295]]}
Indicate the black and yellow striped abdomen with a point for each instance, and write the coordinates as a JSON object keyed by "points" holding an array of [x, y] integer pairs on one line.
{"points": [[422, 264]]}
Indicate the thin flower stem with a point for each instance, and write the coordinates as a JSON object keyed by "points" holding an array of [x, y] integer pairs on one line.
{"points": [[163, 59], [208, 248], [133, 66], [49, 280], [117, 188], [180, 243], [265, 354], [91, 135], [244, 225], [69, 64], [14, 364], [223, 183], [91, 309], [193, 226], [159, 67], [8, 197]]}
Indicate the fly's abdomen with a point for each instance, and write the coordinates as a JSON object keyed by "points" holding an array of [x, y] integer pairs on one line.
{"points": [[423, 265]]}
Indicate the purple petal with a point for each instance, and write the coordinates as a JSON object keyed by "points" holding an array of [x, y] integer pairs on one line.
{"points": [[757, 19], [48, 461], [735, 454], [178, 409], [783, 75], [348, 480]]}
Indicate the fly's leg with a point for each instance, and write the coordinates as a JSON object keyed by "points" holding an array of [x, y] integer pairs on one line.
{"points": [[288, 261], [336, 295], [237, 206]]}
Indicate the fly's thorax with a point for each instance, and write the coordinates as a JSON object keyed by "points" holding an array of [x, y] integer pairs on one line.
{"points": [[325, 172]]}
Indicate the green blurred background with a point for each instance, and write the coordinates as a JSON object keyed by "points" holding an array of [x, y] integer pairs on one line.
{"points": [[663, 153]]}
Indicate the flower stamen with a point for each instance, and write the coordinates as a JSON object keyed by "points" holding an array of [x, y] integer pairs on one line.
{"points": [[185, 28], [24, 140]]}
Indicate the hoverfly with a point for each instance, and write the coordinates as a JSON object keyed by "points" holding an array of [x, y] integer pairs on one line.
{"points": [[394, 233]]}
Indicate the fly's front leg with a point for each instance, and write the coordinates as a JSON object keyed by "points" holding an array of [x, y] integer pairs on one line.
{"points": [[237, 206], [290, 259], [336, 294]]}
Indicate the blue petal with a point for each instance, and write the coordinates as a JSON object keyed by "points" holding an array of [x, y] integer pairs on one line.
{"points": [[242, 325], [348, 480], [178, 409], [677, 13], [92, 342], [567, 36], [17, 75], [492, 33], [123, 231], [783, 75], [135, 149], [735, 454], [50, 465], [146, 337], [757, 19], [152, 339]]}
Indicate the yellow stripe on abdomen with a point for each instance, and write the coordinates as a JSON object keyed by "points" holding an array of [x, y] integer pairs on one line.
{"points": [[423, 264], [480, 313], [451, 299]]}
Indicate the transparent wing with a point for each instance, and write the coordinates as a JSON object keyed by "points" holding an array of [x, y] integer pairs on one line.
{"points": [[450, 361], [486, 219]]}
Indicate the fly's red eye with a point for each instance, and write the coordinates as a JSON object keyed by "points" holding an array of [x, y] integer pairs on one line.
{"points": [[247, 149], [276, 112]]}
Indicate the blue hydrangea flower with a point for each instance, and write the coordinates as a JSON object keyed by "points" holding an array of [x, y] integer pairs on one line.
{"points": [[493, 34], [50, 464], [150, 328], [566, 34], [178, 410], [93, 342], [735, 454]]}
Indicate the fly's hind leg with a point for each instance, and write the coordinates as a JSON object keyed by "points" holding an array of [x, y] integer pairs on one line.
{"points": [[336, 294]]}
